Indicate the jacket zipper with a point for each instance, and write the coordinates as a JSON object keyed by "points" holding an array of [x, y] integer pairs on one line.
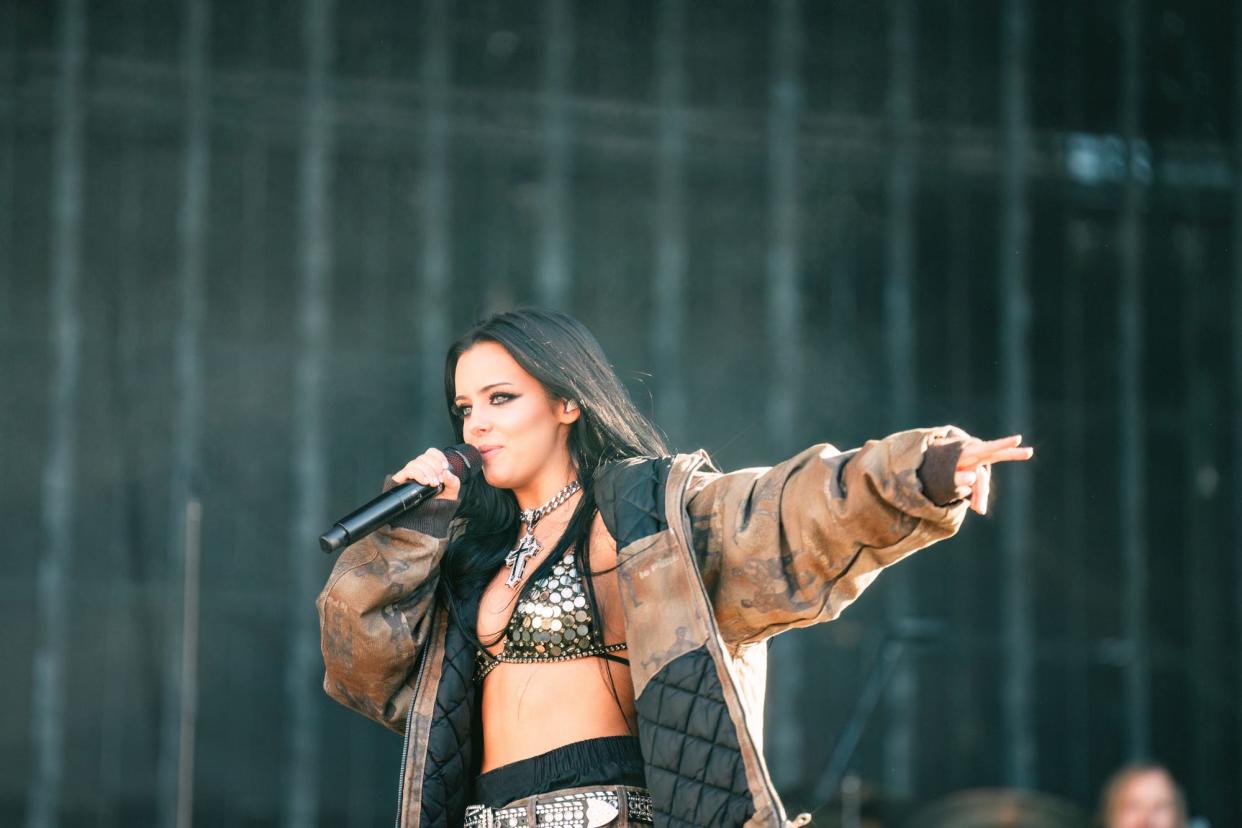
{"points": [[409, 718], [688, 532]]}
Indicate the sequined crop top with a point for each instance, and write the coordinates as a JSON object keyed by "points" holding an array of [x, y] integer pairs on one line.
{"points": [[552, 622]]}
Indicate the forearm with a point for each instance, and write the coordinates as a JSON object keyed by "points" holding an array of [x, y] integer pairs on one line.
{"points": [[374, 609], [794, 544]]}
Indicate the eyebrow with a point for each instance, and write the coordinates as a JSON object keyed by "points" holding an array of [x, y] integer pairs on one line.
{"points": [[484, 388]]}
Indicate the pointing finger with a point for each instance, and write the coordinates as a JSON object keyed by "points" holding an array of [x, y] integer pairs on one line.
{"points": [[1001, 456], [974, 456]]}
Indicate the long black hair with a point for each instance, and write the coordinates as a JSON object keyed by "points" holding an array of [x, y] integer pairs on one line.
{"points": [[567, 360]]}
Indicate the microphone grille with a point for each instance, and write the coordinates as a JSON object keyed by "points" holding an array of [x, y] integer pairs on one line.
{"points": [[465, 460]]}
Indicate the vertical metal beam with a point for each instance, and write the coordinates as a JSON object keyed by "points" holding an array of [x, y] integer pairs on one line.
{"points": [[784, 327], [1081, 242], [8, 153], [255, 204], [1018, 696], [368, 191], [309, 474], [60, 469], [965, 705], [1202, 608], [1236, 407], [899, 339], [434, 211], [782, 289], [1130, 371], [189, 662], [125, 611], [254, 264], [671, 243], [187, 348], [842, 231], [1073, 500], [552, 285]]}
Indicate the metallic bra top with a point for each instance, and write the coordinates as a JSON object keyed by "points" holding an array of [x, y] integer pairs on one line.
{"points": [[552, 622]]}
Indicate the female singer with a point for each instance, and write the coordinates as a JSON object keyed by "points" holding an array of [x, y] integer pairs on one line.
{"points": [[578, 636]]}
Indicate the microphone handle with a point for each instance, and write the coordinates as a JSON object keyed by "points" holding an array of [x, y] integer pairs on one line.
{"points": [[381, 510]]}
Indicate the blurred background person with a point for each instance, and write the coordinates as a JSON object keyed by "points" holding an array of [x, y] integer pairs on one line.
{"points": [[1142, 796]]}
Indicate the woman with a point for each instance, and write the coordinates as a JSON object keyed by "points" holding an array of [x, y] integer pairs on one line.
{"points": [[579, 637]]}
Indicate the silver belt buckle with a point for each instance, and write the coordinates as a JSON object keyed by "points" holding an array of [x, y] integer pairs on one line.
{"points": [[584, 809], [599, 811]]}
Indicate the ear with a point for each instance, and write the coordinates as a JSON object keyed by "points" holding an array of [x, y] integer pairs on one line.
{"points": [[568, 411]]}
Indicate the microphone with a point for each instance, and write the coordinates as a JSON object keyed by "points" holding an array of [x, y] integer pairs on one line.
{"points": [[465, 462]]}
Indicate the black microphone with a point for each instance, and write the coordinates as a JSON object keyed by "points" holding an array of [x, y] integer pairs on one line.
{"points": [[463, 459]]}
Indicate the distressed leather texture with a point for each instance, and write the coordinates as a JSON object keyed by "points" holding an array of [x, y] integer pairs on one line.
{"points": [[710, 566]]}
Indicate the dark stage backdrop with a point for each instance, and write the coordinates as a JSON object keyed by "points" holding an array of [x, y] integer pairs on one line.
{"points": [[237, 237]]}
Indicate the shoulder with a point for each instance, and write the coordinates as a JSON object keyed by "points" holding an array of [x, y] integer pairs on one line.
{"points": [[630, 495]]}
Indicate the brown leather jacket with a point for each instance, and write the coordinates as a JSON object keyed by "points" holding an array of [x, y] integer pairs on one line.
{"points": [[710, 566]]}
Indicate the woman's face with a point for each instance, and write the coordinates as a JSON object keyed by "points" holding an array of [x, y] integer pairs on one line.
{"points": [[509, 417]]}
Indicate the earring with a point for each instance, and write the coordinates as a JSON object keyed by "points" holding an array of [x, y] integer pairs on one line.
{"points": [[570, 406]]}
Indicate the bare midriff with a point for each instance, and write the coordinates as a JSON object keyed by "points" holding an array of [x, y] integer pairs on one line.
{"points": [[531, 708]]}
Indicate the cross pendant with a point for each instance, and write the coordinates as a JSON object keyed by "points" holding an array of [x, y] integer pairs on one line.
{"points": [[526, 549]]}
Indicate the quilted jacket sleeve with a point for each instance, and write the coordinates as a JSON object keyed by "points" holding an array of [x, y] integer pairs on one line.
{"points": [[376, 608], [796, 543]]}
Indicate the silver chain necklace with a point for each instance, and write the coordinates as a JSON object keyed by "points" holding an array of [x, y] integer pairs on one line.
{"points": [[529, 545]]}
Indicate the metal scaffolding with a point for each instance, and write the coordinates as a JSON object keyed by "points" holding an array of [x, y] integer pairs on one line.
{"points": [[241, 269]]}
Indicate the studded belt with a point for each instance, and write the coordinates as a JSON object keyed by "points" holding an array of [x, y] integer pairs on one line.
{"points": [[583, 809]]}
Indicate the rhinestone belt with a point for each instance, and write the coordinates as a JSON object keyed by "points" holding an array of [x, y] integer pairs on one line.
{"points": [[583, 809]]}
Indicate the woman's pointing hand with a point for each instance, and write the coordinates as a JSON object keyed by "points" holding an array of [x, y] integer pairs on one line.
{"points": [[973, 475]]}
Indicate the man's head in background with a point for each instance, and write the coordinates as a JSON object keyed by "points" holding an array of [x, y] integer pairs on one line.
{"points": [[1142, 796]]}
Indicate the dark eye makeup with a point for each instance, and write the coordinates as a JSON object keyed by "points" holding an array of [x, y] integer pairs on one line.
{"points": [[462, 411]]}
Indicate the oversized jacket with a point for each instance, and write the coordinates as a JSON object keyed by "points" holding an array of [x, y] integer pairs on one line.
{"points": [[710, 565]]}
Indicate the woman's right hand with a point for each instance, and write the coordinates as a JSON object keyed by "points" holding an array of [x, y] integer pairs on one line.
{"points": [[431, 468]]}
